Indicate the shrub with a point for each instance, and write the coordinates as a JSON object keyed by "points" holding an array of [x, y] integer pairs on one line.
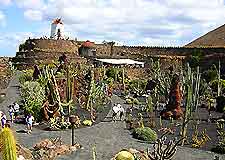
{"points": [[87, 122], [26, 76], [33, 95], [146, 134], [112, 73], [219, 149], [129, 101], [136, 101]]}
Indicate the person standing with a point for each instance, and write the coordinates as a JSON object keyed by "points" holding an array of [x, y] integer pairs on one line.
{"points": [[3, 119], [29, 121], [11, 113], [16, 108], [122, 112]]}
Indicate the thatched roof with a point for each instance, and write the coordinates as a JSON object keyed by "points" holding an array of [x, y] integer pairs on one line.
{"points": [[215, 38]]}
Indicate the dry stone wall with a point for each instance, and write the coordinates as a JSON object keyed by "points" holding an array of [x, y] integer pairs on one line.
{"points": [[51, 45], [49, 49]]}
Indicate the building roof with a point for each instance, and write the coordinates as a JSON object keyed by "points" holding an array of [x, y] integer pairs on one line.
{"points": [[121, 61], [88, 44], [57, 21], [214, 38]]}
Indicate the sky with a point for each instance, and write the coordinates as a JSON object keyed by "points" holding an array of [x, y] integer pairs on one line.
{"points": [[127, 22]]}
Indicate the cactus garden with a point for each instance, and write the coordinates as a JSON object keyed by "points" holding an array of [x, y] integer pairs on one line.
{"points": [[168, 110]]}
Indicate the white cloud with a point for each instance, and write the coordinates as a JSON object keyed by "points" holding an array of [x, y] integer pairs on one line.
{"points": [[9, 42], [35, 15], [5, 2], [31, 4], [153, 22], [2, 19]]}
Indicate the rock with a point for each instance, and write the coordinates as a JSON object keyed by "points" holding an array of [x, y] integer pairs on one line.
{"points": [[50, 149], [43, 144], [62, 149], [24, 152], [20, 158]]}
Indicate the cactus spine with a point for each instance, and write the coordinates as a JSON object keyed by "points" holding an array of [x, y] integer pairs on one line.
{"points": [[8, 144]]}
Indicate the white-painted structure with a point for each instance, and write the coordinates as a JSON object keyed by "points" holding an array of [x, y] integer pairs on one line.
{"points": [[57, 29], [121, 61]]}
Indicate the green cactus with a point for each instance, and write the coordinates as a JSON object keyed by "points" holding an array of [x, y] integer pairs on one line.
{"points": [[90, 92], [8, 144], [123, 79], [69, 87], [149, 107], [192, 90], [219, 80]]}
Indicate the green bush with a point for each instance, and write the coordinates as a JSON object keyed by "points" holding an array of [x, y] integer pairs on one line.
{"points": [[146, 134], [87, 122], [33, 95], [136, 101], [219, 149], [209, 75], [27, 75], [112, 73], [129, 101]]}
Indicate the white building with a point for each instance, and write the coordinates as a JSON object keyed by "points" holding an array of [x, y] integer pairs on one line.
{"points": [[57, 29]]}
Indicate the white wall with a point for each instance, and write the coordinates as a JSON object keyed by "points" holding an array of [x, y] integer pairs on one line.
{"points": [[54, 29]]}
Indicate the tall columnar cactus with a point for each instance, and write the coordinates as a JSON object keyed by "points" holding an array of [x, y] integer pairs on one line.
{"points": [[192, 99], [54, 90], [149, 107], [8, 144], [90, 92], [123, 78], [196, 86], [69, 87], [219, 80]]}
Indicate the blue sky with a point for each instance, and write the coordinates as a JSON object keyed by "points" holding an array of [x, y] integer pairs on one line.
{"points": [[128, 22]]}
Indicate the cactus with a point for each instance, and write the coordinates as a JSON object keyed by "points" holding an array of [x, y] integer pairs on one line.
{"points": [[163, 150], [69, 87], [54, 90], [219, 80], [123, 79], [90, 92], [94, 152], [196, 142], [192, 90], [8, 144]]}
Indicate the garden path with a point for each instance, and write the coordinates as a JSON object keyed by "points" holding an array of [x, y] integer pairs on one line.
{"points": [[109, 137]]}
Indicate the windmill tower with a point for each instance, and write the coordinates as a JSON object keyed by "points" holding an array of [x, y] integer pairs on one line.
{"points": [[57, 29]]}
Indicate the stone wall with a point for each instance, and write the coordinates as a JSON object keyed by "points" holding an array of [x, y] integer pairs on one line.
{"points": [[49, 49], [4, 72], [105, 50], [56, 45]]}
